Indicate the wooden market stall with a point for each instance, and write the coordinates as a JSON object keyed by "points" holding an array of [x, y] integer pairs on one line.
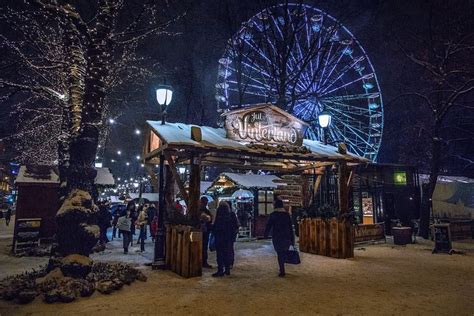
{"points": [[251, 196], [261, 137]]}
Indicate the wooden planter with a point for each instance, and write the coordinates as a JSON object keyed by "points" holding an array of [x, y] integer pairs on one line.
{"points": [[402, 235], [184, 250], [331, 238]]}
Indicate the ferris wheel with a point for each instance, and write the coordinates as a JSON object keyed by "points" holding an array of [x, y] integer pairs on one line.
{"points": [[305, 61]]}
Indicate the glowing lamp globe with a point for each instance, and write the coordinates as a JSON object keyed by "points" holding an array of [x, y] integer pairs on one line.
{"points": [[164, 94], [324, 119]]}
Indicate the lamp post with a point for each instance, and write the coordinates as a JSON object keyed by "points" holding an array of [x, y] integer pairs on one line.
{"points": [[164, 94], [325, 120]]}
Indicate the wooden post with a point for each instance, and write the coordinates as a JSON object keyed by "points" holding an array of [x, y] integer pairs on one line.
{"points": [[180, 183], [194, 187], [152, 174], [343, 189]]}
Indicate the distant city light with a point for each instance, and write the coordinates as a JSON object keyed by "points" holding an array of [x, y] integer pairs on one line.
{"points": [[138, 157], [112, 160], [119, 152], [127, 163], [111, 121]]}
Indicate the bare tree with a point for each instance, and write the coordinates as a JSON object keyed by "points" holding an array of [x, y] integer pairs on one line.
{"points": [[70, 64], [443, 50]]}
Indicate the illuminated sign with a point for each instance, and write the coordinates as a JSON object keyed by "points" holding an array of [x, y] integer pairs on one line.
{"points": [[264, 124], [400, 178]]}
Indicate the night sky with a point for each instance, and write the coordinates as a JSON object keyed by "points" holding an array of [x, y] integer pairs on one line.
{"points": [[189, 60]]}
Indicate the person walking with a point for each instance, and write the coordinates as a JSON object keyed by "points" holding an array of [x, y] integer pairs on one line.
{"points": [[116, 216], [223, 234], [142, 221], [124, 225], [206, 225], [281, 228], [8, 216], [133, 218]]}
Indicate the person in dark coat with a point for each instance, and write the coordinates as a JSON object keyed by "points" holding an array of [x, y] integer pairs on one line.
{"points": [[8, 215], [151, 212], [281, 228], [133, 216], [206, 225], [223, 234], [235, 228], [103, 221]]}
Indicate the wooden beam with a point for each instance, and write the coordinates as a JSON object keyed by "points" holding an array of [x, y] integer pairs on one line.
{"points": [[349, 180], [195, 187], [180, 183], [343, 189]]}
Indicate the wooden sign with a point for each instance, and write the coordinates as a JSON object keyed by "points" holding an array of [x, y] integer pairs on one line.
{"points": [[442, 238], [266, 124]]}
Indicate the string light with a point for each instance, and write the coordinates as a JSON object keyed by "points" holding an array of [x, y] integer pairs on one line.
{"points": [[137, 132]]}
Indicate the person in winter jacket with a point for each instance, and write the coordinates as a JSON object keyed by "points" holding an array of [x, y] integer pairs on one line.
{"points": [[8, 215], [114, 222], [103, 221], [133, 217], [206, 224], [124, 225], [223, 231], [154, 227], [281, 227], [235, 225], [151, 212], [142, 221]]}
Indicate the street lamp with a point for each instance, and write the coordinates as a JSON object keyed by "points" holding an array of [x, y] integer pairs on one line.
{"points": [[324, 120], [164, 94]]}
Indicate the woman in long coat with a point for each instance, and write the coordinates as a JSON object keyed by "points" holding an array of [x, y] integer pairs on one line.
{"points": [[223, 230], [281, 227]]}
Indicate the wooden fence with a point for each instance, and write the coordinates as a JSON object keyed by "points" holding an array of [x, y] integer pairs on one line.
{"points": [[184, 250], [331, 238]]}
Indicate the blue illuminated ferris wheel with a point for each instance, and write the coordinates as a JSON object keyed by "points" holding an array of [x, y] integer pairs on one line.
{"points": [[305, 61]]}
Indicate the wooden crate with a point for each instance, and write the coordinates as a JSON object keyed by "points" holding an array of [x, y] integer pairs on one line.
{"points": [[184, 250], [331, 238]]}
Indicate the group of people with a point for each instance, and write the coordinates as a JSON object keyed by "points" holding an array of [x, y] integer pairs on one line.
{"points": [[223, 229], [126, 221]]}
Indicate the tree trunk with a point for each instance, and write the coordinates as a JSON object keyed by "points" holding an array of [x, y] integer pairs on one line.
{"points": [[426, 203]]}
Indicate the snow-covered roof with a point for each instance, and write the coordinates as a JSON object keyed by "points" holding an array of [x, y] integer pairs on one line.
{"points": [[28, 175], [50, 175], [104, 177], [424, 178], [152, 197], [179, 134], [205, 185], [250, 180]]}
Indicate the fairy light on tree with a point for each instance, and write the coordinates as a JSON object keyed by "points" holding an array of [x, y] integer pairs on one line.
{"points": [[70, 72]]}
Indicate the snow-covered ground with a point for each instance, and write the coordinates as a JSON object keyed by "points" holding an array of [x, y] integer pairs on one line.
{"points": [[382, 279]]}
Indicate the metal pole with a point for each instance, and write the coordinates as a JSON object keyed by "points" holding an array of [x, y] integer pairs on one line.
{"points": [[159, 258]]}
